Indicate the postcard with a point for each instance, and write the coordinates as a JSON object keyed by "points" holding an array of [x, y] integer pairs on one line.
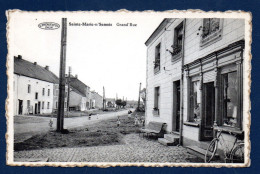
{"points": [[123, 88]]}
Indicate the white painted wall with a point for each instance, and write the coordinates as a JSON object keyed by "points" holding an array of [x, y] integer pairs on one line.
{"points": [[21, 92]]}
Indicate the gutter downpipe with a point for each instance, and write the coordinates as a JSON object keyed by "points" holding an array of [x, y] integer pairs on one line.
{"points": [[182, 74]]}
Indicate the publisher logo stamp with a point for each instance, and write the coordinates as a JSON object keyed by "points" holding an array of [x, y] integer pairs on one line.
{"points": [[49, 26]]}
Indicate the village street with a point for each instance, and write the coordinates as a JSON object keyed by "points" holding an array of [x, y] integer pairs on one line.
{"points": [[134, 149], [28, 126]]}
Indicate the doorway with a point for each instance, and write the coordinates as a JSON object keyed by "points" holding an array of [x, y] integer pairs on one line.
{"points": [[176, 106], [39, 107], [36, 108], [208, 111], [20, 108]]}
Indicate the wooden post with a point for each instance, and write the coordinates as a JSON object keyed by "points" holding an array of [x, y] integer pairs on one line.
{"points": [[68, 98], [60, 116]]}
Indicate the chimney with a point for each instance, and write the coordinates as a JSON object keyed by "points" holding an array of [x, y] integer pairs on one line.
{"points": [[19, 57], [76, 76], [35, 63], [47, 67]]}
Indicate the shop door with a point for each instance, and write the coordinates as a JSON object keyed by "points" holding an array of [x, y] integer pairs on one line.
{"points": [[20, 109], [208, 111]]}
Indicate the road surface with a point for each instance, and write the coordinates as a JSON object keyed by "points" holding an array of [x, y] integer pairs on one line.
{"points": [[27, 126]]}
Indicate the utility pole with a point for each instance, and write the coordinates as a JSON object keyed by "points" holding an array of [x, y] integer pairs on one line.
{"points": [[68, 98], [60, 116], [138, 107], [104, 98]]}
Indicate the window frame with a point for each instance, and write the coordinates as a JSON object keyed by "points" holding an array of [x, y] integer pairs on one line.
{"points": [[191, 107], [157, 58], [156, 108], [29, 89], [176, 55]]}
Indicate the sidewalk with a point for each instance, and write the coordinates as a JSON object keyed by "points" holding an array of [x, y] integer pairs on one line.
{"points": [[135, 149]]}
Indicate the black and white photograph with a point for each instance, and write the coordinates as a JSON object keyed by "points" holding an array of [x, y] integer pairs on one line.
{"points": [[128, 88]]}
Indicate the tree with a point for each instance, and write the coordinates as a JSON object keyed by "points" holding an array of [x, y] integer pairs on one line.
{"points": [[119, 102], [123, 103]]}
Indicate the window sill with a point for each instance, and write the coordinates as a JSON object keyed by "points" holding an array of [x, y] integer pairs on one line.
{"points": [[228, 129], [156, 70], [193, 124], [210, 39], [176, 57]]}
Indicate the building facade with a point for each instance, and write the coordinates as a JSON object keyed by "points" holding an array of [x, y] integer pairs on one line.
{"points": [[79, 95], [96, 100], [33, 88], [195, 77]]}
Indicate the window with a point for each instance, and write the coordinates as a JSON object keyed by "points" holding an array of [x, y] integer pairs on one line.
{"points": [[36, 95], [48, 105], [210, 25], [56, 105], [65, 104], [195, 103], [177, 43], [211, 30], [48, 92], [43, 91], [230, 91], [156, 100], [157, 58], [42, 105], [29, 88], [28, 104]]}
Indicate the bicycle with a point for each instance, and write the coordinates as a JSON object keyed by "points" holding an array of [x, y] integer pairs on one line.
{"points": [[234, 155]]}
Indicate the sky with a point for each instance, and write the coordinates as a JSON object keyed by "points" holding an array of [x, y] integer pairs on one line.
{"points": [[110, 56]]}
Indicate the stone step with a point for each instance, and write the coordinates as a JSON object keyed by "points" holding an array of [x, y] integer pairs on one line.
{"points": [[171, 137], [166, 142], [199, 152]]}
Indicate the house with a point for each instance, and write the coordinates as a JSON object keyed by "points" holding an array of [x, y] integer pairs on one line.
{"points": [[33, 87], [110, 102], [195, 78], [96, 100], [79, 94]]}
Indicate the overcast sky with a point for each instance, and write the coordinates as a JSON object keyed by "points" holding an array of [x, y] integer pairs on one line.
{"points": [[114, 57]]}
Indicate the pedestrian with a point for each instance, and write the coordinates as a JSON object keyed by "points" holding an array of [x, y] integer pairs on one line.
{"points": [[51, 122], [118, 122], [136, 121], [129, 114], [89, 116]]}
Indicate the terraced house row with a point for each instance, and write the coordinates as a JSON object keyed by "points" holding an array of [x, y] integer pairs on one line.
{"points": [[195, 78], [36, 90]]}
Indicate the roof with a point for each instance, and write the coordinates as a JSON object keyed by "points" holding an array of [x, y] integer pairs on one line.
{"points": [[157, 30], [78, 85], [29, 69]]}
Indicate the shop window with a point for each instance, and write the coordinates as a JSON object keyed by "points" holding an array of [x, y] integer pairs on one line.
{"points": [[230, 91], [211, 30], [157, 60], [195, 103]]}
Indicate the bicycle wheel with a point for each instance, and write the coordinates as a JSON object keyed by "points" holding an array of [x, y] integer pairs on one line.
{"points": [[211, 151], [237, 155]]}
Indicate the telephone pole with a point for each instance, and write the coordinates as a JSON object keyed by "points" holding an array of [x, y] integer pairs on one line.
{"points": [[104, 98], [68, 98], [60, 116], [139, 97]]}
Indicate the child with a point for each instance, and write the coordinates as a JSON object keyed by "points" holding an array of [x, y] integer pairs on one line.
{"points": [[51, 122], [136, 121], [118, 122]]}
